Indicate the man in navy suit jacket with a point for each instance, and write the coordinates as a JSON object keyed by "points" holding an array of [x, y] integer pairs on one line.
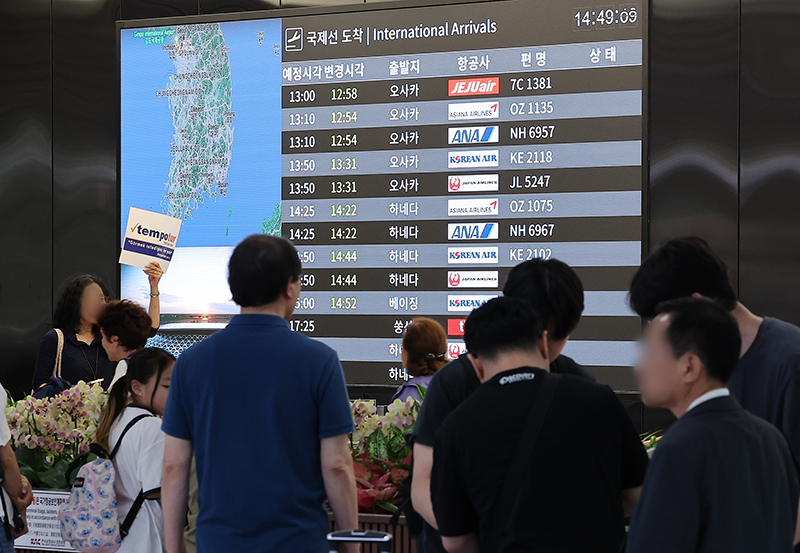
{"points": [[721, 479]]}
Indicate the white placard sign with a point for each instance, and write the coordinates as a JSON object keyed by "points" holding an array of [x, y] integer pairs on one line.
{"points": [[149, 237], [44, 532]]}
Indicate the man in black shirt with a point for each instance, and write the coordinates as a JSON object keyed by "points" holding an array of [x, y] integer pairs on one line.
{"points": [[721, 479], [556, 293], [571, 492], [767, 379]]}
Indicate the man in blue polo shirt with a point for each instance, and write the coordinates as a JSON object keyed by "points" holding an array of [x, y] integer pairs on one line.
{"points": [[266, 411]]}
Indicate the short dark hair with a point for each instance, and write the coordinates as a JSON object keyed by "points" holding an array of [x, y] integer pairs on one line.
{"points": [[680, 268], [708, 330], [554, 290], [67, 315], [260, 268], [127, 321], [502, 325]]}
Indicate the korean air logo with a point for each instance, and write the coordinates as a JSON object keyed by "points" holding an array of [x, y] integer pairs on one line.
{"points": [[473, 256], [293, 41], [469, 159], [466, 303], [473, 135], [472, 231]]}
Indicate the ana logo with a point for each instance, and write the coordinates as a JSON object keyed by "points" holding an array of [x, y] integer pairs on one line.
{"points": [[454, 350], [473, 135], [472, 231], [473, 87], [455, 327], [473, 279], [473, 183], [473, 110], [473, 207], [473, 256], [468, 159], [466, 303], [294, 39]]}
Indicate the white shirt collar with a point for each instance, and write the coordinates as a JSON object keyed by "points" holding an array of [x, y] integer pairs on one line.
{"points": [[713, 394]]}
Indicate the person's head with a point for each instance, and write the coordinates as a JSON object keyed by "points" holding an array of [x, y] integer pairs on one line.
{"points": [[556, 293], [690, 347], [125, 327], [424, 347], [681, 267], [81, 303], [503, 334], [265, 270], [146, 383]]}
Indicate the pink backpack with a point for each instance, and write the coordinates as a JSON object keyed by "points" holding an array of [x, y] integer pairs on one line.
{"points": [[89, 519]]}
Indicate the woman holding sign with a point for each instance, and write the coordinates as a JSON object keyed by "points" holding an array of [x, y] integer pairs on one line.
{"points": [[72, 352]]}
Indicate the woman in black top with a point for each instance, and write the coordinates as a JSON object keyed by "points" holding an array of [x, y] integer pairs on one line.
{"points": [[83, 357]]}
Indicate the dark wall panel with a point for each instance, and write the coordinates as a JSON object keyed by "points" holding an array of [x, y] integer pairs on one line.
{"points": [[25, 191], [693, 123], [84, 140], [770, 158]]}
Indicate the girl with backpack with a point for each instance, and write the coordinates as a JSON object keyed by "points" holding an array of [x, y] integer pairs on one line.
{"points": [[139, 457]]}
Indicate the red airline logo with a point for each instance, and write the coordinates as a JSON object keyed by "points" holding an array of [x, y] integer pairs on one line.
{"points": [[454, 351], [455, 184], [454, 279], [455, 327], [473, 87]]}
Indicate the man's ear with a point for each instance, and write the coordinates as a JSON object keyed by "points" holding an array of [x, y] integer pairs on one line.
{"points": [[292, 291], [113, 340], [692, 368], [544, 349], [477, 364]]}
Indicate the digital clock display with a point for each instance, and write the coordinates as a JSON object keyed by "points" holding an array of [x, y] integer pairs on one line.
{"points": [[606, 17]]}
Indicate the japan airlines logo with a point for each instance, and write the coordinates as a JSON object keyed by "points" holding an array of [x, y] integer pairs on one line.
{"points": [[473, 135], [472, 231], [293, 39], [455, 327], [473, 110], [473, 87], [465, 304], [473, 279], [455, 349], [473, 183], [470, 159], [473, 256], [473, 207]]}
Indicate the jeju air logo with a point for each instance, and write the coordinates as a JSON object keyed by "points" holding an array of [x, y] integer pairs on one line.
{"points": [[473, 87], [455, 184], [454, 279]]}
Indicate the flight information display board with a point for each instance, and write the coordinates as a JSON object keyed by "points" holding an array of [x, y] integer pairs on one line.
{"points": [[414, 155]]}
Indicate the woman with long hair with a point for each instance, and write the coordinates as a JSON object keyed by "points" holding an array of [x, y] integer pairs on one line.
{"points": [[142, 390], [72, 350]]}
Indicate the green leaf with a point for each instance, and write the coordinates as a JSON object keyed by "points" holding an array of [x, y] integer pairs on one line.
{"points": [[386, 505], [33, 458], [421, 391], [376, 445], [75, 466]]}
